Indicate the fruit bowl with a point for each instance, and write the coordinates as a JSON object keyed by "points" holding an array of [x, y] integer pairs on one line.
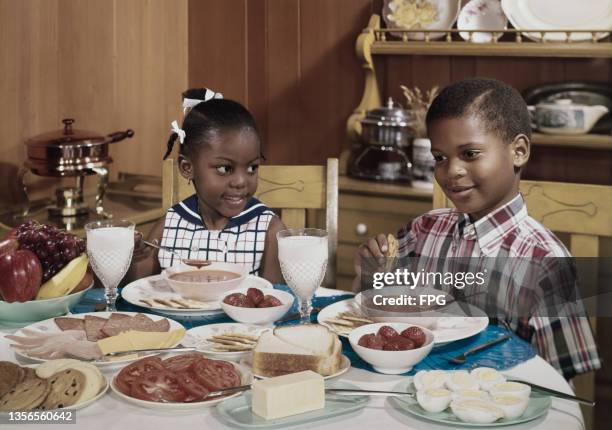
{"points": [[20, 314], [263, 315], [390, 362]]}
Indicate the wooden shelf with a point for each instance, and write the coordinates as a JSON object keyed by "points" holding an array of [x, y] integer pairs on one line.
{"points": [[499, 49], [361, 186], [585, 141]]}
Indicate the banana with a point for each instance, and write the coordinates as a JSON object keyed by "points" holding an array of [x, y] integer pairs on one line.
{"points": [[65, 280]]}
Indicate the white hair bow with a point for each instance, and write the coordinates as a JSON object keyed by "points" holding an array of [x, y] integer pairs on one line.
{"points": [[209, 95], [179, 131]]}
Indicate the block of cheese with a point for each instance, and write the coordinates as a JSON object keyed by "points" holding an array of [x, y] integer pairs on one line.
{"points": [[131, 340], [296, 348], [287, 395]]}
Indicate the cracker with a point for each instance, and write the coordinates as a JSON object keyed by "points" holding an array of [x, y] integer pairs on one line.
{"points": [[10, 375], [66, 387], [26, 395], [392, 246]]}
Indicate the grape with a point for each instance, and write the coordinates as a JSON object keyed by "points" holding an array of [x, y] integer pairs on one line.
{"points": [[54, 248]]}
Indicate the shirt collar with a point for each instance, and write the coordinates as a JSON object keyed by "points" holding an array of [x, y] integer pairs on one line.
{"points": [[189, 209], [491, 229]]}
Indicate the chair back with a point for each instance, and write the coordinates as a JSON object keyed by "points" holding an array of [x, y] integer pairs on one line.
{"points": [[292, 191]]}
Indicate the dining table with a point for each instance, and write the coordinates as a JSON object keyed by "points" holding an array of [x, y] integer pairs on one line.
{"points": [[111, 412]]}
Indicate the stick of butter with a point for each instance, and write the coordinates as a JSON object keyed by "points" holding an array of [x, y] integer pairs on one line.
{"points": [[287, 395]]}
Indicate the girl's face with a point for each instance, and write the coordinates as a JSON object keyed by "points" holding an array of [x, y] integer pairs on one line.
{"points": [[224, 174], [476, 169]]}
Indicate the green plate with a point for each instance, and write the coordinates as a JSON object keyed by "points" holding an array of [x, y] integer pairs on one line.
{"points": [[237, 411], [538, 406]]}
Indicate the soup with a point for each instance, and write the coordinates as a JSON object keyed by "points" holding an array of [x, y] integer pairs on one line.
{"points": [[204, 276]]}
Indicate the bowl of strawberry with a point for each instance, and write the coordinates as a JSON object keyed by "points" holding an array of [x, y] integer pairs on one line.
{"points": [[255, 306], [392, 348]]}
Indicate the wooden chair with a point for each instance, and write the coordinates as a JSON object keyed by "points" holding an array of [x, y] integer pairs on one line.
{"points": [[582, 211], [291, 190]]}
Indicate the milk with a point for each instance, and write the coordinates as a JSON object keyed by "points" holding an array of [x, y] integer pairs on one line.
{"points": [[110, 252], [303, 261]]}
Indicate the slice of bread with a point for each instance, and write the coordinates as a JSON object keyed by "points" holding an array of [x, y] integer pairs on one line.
{"points": [[293, 349]]}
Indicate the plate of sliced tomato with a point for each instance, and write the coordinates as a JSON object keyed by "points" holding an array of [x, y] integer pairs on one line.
{"points": [[179, 382]]}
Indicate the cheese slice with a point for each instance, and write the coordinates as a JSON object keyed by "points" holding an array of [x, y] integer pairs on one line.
{"points": [[131, 340], [287, 395]]}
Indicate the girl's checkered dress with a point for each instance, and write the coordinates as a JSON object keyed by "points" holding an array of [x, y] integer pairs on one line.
{"points": [[241, 241]]}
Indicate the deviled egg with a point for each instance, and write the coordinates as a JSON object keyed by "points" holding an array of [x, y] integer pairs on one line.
{"points": [[513, 406], [429, 379], [471, 394], [487, 377], [434, 399], [510, 389], [461, 380], [476, 411]]}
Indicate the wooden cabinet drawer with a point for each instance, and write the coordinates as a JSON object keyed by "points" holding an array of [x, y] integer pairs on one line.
{"points": [[357, 226]]}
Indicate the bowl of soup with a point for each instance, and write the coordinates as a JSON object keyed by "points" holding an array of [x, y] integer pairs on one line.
{"points": [[208, 284]]}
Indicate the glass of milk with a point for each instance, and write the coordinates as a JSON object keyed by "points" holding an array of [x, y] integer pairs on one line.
{"points": [[109, 246], [302, 254]]}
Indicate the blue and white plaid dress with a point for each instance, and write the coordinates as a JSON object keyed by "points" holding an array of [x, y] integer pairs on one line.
{"points": [[241, 241]]}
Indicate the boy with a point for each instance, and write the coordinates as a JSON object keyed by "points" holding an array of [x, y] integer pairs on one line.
{"points": [[480, 131]]}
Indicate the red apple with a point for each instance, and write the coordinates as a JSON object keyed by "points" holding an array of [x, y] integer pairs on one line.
{"points": [[8, 245], [20, 275]]}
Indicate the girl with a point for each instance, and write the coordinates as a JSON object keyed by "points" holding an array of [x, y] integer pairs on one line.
{"points": [[220, 152]]}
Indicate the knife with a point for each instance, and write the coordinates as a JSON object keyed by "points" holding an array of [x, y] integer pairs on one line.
{"points": [[555, 393]]}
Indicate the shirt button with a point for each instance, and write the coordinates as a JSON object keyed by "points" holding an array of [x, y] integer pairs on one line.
{"points": [[194, 247]]}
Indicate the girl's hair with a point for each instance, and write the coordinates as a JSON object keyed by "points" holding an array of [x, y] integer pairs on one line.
{"points": [[206, 120]]}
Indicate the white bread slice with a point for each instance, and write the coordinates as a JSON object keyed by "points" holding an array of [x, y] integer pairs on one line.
{"points": [[297, 348], [312, 337]]}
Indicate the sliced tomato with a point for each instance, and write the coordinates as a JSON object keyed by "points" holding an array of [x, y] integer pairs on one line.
{"points": [[158, 386], [181, 363], [215, 374], [135, 371], [195, 392]]}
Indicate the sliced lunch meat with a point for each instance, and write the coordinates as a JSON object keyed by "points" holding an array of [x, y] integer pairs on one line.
{"points": [[93, 327], [116, 324], [65, 323]]}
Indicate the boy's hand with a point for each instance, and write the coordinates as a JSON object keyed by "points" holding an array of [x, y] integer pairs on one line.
{"points": [[141, 250], [374, 248]]}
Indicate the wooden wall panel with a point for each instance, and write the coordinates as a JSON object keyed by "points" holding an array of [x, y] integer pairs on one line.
{"points": [[111, 65]]}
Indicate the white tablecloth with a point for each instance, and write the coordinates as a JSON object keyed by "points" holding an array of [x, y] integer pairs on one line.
{"points": [[111, 413]]}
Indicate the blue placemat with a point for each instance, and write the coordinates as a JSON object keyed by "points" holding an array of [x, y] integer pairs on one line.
{"points": [[96, 296], [501, 356]]}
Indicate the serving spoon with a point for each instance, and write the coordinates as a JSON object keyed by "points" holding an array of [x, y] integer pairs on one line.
{"points": [[188, 261]]}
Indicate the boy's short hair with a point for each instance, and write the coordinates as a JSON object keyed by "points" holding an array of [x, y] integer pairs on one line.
{"points": [[497, 104]]}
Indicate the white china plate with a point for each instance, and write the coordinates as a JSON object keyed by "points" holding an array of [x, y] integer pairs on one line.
{"points": [[156, 286], [539, 404], [446, 12], [559, 15], [441, 335], [81, 405], [196, 337], [245, 379], [345, 365], [49, 326]]}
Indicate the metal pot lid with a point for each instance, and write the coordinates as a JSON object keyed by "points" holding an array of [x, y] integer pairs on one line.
{"points": [[67, 136], [391, 115]]}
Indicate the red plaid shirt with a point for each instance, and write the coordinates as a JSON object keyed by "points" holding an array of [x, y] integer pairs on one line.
{"points": [[509, 235]]}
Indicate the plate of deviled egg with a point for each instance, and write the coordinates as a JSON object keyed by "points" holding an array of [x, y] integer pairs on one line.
{"points": [[478, 398]]}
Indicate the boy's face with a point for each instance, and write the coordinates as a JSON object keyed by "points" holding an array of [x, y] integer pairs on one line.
{"points": [[224, 173], [477, 170]]}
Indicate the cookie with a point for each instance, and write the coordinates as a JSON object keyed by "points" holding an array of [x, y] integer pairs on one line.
{"points": [[28, 373], [25, 396], [10, 375], [66, 387], [392, 246]]}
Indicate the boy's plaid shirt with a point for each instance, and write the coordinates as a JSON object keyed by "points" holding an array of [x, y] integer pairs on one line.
{"points": [[528, 268]]}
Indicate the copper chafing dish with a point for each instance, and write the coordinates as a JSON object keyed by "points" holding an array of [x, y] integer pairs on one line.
{"points": [[71, 153]]}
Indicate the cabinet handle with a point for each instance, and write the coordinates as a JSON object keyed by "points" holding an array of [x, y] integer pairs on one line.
{"points": [[361, 229]]}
